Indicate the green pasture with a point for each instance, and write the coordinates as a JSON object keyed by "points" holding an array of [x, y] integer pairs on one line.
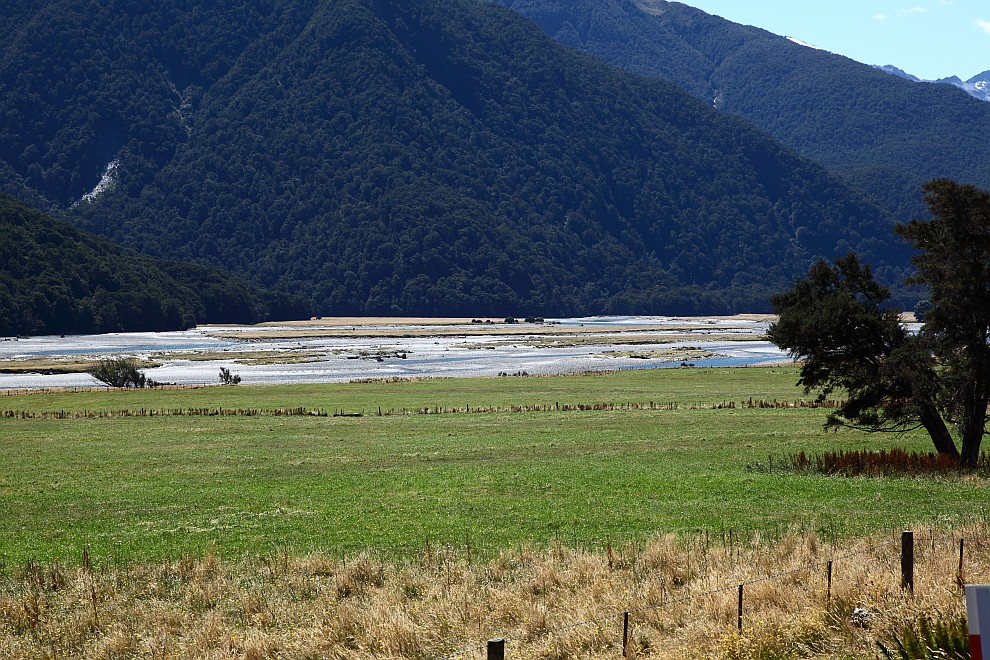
{"points": [[151, 487]]}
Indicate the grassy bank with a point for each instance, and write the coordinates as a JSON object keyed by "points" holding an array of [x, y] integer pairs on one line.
{"points": [[140, 488]]}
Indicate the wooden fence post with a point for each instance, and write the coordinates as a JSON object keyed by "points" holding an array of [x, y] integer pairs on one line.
{"points": [[739, 620], [959, 574], [496, 649], [828, 588], [907, 560], [625, 634]]}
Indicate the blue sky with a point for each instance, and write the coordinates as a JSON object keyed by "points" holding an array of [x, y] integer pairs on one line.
{"points": [[928, 38]]}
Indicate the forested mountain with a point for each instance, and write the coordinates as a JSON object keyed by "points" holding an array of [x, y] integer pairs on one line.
{"points": [[56, 279], [407, 156], [884, 134]]}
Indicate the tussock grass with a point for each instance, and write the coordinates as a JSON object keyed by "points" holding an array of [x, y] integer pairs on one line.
{"points": [[552, 603]]}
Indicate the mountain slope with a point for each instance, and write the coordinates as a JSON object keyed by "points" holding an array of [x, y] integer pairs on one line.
{"points": [[57, 279], [413, 157], [883, 133]]}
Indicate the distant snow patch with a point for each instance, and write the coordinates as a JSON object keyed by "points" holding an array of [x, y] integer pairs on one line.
{"points": [[107, 181], [978, 86], [804, 43]]}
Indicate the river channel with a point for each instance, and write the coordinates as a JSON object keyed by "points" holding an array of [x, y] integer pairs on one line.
{"points": [[342, 350]]}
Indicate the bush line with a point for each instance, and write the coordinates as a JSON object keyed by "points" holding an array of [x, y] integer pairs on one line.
{"points": [[424, 410]]}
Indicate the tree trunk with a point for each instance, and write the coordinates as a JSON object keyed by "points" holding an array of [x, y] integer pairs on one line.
{"points": [[973, 425], [939, 432], [972, 432]]}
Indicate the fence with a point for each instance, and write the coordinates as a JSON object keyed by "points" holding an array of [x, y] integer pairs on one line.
{"points": [[77, 389], [298, 411], [495, 649]]}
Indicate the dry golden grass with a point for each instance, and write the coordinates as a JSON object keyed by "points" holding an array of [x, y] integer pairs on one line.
{"points": [[682, 593]]}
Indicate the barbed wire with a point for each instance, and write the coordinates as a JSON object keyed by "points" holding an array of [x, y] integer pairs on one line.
{"points": [[951, 538]]}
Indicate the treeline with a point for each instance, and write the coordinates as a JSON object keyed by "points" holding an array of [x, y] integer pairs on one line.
{"points": [[414, 157], [56, 279]]}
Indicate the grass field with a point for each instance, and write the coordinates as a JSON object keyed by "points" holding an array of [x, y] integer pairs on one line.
{"points": [[142, 488], [412, 535]]}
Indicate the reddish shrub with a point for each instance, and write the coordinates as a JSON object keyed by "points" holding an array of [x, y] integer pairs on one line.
{"points": [[882, 463]]}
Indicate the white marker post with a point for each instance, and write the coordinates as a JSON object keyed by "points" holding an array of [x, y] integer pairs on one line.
{"points": [[978, 615]]}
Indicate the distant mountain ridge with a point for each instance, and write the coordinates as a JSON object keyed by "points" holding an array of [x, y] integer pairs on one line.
{"points": [[885, 135], [978, 86], [409, 157]]}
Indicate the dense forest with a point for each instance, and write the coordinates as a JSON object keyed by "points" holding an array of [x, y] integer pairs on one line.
{"points": [[408, 156], [56, 279], [884, 134]]}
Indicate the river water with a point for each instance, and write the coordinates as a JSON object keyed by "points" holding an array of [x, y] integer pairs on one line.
{"points": [[404, 351]]}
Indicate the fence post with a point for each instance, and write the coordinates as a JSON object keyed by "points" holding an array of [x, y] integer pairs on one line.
{"points": [[828, 587], [907, 560], [625, 634], [739, 620], [496, 649], [959, 574]]}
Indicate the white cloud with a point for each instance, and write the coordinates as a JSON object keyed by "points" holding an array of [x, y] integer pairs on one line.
{"points": [[880, 17], [983, 24]]}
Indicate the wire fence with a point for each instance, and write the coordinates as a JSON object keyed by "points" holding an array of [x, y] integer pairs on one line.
{"points": [[302, 411], [495, 649], [85, 389]]}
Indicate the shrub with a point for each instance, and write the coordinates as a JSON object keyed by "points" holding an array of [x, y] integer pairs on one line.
{"points": [[928, 639], [880, 463], [118, 372], [227, 378]]}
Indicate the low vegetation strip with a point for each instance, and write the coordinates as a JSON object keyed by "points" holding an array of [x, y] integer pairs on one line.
{"points": [[885, 462], [554, 602], [380, 412]]}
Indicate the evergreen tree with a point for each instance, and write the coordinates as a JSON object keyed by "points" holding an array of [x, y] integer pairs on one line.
{"points": [[839, 322]]}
